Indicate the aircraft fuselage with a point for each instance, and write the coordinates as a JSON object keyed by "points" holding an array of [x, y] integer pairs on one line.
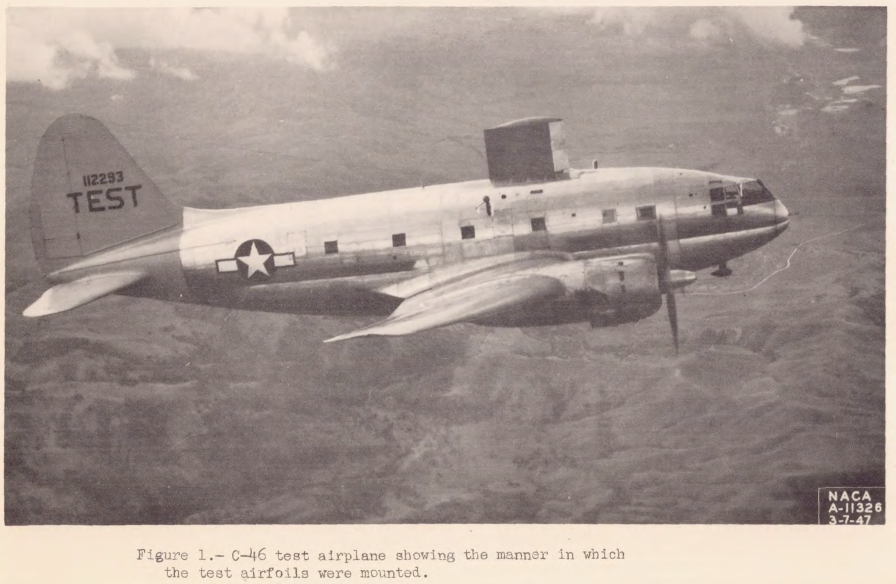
{"points": [[364, 253]]}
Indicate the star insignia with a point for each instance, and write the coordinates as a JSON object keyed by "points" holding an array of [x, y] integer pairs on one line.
{"points": [[255, 261]]}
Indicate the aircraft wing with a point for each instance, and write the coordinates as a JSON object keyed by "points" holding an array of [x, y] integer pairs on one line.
{"points": [[460, 301], [72, 294]]}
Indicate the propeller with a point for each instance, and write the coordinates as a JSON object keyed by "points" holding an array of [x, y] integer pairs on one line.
{"points": [[666, 282]]}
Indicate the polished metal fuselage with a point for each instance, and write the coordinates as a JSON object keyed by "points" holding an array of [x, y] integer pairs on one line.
{"points": [[365, 253]]}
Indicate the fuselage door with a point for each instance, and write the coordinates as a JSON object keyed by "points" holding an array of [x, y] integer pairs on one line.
{"points": [[478, 236], [502, 223], [295, 241]]}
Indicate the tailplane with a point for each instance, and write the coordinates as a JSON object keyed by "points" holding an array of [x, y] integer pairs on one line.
{"points": [[88, 194], [68, 295]]}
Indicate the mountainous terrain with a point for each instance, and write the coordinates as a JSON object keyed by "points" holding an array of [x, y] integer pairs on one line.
{"points": [[130, 411]]}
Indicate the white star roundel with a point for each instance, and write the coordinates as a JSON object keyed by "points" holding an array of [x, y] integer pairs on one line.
{"points": [[255, 260], [255, 257]]}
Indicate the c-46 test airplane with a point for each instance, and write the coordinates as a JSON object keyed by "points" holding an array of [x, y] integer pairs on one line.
{"points": [[537, 243]]}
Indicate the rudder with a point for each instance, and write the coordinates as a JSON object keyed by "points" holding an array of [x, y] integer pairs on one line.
{"points": [[88, 194]]}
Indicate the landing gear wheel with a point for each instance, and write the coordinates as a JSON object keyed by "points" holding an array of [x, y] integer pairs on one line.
{"points": [[723, 272]]}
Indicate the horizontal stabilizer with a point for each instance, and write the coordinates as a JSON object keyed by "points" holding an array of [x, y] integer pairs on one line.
{"points": [[62, 297], [460, 302]]}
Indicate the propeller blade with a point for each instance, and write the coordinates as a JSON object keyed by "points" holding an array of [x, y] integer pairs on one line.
{"points": [[665, 277], [662, 257], [673, 318]]}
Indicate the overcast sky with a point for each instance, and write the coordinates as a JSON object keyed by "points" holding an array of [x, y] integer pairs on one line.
{"points": [[58, 46]]}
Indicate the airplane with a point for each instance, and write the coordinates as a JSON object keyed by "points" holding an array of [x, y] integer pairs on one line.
{"points": [[537, 243]]}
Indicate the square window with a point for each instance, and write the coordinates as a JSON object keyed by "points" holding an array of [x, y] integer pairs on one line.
{"points": [[609, 215], [717, 194], [538, 224], [331, 247], [399, 240], [645, 213], [467, 232]]}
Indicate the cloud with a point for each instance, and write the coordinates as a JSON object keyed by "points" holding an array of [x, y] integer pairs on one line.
{"points": [[705, 30], [58, 46], [774, 23], [73, 55], [173, 70], [771, 24], [252, 31], [628, 21]]}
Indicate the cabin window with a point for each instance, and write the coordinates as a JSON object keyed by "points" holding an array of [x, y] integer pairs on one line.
{"points": [[609, 215], [646, 213], [331, 247], [538, 224], [467, 232], [399, 240]]}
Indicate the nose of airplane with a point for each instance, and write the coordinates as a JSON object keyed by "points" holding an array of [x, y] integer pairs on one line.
{"points": [[781, 216]]}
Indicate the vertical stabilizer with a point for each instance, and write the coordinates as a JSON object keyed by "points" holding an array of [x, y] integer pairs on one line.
{"points": [[88, 194]]}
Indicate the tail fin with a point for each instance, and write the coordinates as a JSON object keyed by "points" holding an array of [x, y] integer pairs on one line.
{"points": [[88, 194]]}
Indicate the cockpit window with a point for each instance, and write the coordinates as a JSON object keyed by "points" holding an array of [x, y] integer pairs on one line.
{"points": [[732, 199], [754, 192], [725, 200]]}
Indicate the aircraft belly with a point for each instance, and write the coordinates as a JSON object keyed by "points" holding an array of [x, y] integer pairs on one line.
{"points": [[165, 282], [337, 297], [705, 251], [690, 227]]}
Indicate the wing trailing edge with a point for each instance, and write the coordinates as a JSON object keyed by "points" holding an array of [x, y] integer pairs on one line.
{"points": [[68, 295], [460, 302]]}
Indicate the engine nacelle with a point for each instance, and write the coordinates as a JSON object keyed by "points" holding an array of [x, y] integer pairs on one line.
{"points": [[621, 290], [611, 291], [622, 280], [603, 291]]}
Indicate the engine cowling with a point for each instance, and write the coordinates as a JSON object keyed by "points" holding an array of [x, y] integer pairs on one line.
{"points": [[620, 289], [604, 291]]}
